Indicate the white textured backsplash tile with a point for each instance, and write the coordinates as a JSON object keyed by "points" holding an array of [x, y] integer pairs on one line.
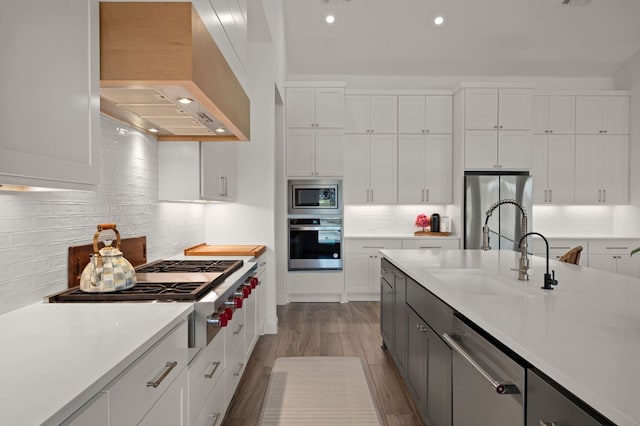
{"points": [[36, 228], [573, 220], [387, 219]]}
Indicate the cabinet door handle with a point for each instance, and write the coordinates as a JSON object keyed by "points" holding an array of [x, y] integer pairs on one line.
{"points": [[501, 388], [599, 195], [548, 423], [551, 195], [239, 370], [604, 195], [427, 190], [238, 329], [215, 365], [167, 369], [422, 328], [215, 417]]}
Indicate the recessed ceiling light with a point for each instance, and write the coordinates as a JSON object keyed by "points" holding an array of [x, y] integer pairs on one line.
{"points": [[439, 20], [221, 130], [185, 101], [153, 130], [330, 19]]}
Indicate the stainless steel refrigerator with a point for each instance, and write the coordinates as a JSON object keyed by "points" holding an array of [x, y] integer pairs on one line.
{"points": [[482, 190]]}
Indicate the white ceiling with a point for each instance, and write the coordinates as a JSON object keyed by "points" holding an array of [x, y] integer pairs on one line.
{"points": [[479, 37]]}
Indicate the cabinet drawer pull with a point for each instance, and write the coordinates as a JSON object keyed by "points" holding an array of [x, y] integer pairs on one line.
{"points": [[239, 329], [210, 374], [167, 369], [501, 388], [422, 328], [239, 370], [559, 248], [374, 247], [430, 247], [546, 423], [617, 248], [215, 417]]}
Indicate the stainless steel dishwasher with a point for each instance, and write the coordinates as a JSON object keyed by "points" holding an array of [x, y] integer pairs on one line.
{"points": [[488, 386]]}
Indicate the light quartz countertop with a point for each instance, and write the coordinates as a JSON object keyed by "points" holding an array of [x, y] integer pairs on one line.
{"points": [[55, 357], [584, 334], [397, 235]]}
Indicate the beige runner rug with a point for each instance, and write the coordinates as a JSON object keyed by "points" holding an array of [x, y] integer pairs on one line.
{"points": [[318, 391]]}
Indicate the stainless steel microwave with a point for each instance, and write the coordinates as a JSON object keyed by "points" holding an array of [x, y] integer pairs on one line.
{"points": [[317, 196]]}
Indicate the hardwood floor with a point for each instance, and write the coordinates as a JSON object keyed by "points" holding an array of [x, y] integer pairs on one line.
{"points": [[325, 329]]}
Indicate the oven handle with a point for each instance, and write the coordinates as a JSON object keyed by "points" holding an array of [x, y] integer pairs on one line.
{"points": [[315, 228]]}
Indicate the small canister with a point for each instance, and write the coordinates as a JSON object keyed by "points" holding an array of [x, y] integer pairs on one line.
{"points": [[435, 222]]}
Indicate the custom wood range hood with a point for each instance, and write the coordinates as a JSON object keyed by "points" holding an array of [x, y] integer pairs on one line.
{"points": [[154, 54]]}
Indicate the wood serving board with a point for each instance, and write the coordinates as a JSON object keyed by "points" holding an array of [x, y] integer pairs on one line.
{"points": [[133, 249], [225, 250], [431, 234]]}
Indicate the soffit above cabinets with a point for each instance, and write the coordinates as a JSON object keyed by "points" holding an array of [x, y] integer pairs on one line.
{"points": [[145, 69]]}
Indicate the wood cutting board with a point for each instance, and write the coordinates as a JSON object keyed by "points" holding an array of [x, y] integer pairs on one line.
{"points": [[204, 249]]}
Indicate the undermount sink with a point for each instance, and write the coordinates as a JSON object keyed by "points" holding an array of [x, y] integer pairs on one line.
{"points": [[477, 284]]}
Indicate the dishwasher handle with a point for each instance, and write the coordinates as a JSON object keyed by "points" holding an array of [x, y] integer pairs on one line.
{"points": [[501, 388]]}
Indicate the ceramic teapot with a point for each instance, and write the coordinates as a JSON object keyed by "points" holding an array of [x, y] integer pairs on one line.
{"points": [[107, 270]]}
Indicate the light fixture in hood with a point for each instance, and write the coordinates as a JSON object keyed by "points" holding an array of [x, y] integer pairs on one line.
{"points": [[146, 69]]}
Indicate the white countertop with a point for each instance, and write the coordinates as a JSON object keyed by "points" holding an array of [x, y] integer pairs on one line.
{"points": [[584, 334], [397, 235], [55, 357]]}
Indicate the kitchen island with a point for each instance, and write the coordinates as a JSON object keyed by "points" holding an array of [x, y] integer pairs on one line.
{"points": [[584, 334]]}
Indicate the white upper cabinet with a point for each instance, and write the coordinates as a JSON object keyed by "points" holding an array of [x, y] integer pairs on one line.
{"points": [[602, 115], [425, 169], [314, 152], [371, 114], [218, 171], [552, 168], [50, 99], [602, 169], [553, 114], [425, 114], [496, 128], [315, 107], [370, 169], [503, 109]]}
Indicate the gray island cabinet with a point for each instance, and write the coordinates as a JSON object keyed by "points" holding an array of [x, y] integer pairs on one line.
{"points": [[476, 346]]}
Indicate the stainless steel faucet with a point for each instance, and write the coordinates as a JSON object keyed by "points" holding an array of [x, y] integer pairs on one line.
{"points": [[523, 263]]}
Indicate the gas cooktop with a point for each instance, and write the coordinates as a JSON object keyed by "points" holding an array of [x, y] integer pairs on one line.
{"points": [[196, 279]]}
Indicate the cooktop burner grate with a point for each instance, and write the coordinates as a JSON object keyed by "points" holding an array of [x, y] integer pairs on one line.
{"points": [[165, 292], [225, 266]]}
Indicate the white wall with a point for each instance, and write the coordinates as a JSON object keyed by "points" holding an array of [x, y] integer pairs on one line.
{"points": [[252, 218], [36, 228], [627, 218]]}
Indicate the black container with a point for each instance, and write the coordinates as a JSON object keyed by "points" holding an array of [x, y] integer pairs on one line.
{"points": [[435, 222]]}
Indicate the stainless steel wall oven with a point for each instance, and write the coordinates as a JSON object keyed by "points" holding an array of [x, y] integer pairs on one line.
{"points": [[315, 243]]}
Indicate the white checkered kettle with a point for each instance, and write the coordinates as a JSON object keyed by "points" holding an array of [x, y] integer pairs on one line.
{"points": [[107, 270]]}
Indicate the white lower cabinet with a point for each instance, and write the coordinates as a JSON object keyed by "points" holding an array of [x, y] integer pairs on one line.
{"points": [[213, 410], [614, 256], [136, 393], [362, 266], [234, 353], [205, 372], [171, 408]]}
